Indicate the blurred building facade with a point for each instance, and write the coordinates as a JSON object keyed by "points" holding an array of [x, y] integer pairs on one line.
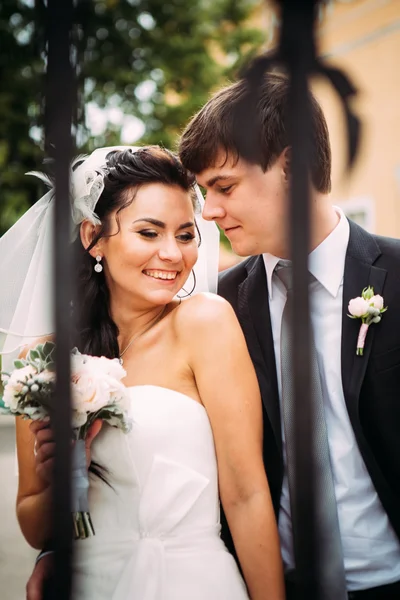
{"points": [[363, 38]]}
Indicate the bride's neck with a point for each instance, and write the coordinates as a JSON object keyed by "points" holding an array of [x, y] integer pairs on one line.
{"points": [[130, 320]]}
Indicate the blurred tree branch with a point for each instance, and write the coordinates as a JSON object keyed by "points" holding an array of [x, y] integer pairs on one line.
{"points": [[150, 59]]}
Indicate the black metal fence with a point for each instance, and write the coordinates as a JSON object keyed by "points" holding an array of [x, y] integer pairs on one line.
{"points": [[297, 53]]}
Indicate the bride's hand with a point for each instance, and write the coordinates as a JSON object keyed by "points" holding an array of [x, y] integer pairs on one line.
{"points": [[44, 447]]}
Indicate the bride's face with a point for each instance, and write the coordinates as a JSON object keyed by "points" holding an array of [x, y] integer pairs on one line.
{"points": [[154, 247]]}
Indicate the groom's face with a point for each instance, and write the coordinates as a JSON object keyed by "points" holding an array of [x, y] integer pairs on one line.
{"points": [[250, 205]]}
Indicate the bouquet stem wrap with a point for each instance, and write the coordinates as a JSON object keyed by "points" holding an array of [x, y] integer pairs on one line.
{"points": [[83, 527]]}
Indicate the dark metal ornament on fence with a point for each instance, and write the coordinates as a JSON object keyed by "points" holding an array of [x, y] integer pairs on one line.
{"points": [[60, 101]]}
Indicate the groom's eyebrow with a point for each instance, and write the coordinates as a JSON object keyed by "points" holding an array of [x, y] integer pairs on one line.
{"points": [[162, 225], [216, 178]]}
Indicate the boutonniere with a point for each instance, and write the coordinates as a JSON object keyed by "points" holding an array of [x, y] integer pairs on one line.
{"points": [[368, 307]]}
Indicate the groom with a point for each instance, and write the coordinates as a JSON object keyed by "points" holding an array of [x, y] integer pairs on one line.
{"points": [[247, 195]]}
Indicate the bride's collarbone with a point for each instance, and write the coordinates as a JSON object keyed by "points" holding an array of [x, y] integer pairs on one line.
{"points": [[164, 370], [158, 348], [161, 360]]}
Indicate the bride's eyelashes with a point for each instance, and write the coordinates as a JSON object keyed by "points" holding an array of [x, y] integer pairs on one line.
{"points": [[186, 237], [151, 235], [147, 233]]}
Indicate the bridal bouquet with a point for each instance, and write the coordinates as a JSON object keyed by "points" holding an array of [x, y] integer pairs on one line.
{"points": [[97, 393]]}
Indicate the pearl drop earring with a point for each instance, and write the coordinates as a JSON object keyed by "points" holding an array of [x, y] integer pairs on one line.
{"points": [[98, 267]]}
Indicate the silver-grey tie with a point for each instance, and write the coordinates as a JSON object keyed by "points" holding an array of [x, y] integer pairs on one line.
{"points": [[330, 565]]}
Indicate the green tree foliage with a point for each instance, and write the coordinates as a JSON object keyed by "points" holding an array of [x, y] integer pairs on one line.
{"points": [[154, 60]]}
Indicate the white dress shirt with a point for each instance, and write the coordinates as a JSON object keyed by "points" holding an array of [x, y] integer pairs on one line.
{"points": [[371, 549]]}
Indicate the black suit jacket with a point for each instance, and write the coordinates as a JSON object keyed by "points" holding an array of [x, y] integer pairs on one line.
{"points": [[371, 383]]}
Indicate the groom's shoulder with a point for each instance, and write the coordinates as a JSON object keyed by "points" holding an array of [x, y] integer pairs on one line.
{"points": [[388, 246], [389, 257], [384, 250]]}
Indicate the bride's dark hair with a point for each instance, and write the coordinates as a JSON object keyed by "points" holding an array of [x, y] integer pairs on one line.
{"points": [[126, 170]]}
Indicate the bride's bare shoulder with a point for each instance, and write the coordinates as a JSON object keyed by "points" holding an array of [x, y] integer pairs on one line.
{"points": [[205, 311]]}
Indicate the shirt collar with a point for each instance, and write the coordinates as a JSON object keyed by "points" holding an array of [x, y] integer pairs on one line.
{"points": [[326, 261]]}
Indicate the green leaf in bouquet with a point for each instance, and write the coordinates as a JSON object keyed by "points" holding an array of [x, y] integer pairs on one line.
{"points": [[32, 355], [114, 416], [39, 350], [35, 364], [47, 349], [42, 354], [19, 364]]}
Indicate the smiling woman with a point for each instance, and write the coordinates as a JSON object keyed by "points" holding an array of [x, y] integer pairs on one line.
{"points": [[146, 243], [147, 259], [192, 441]]}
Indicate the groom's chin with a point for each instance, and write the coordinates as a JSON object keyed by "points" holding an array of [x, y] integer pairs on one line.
{"points": [[240, 252], [237, 244], [242, 248]]}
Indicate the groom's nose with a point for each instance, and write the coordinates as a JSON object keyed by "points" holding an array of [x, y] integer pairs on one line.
{"points": [[212, 209]]}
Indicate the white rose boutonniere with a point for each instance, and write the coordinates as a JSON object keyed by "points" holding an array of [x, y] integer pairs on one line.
{"points": [[368, 307]]}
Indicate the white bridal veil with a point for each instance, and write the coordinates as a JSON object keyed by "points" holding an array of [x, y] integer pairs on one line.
{"points": [[26, 255]]}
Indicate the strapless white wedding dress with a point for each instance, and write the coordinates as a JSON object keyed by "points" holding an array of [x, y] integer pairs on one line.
{"points": [[157, 527]]}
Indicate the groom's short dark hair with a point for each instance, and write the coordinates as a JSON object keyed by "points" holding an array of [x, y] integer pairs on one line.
{"points": [[216, 127]]}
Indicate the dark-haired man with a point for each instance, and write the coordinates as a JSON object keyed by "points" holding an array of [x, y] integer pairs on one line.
{"points": [[247, 195]]}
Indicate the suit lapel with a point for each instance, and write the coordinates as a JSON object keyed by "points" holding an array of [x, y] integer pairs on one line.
{"points": [[359, 273], [254, 316]]}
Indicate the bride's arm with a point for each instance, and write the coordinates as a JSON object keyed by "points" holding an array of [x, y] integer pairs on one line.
{"points": [[35, 453], [229, 390], [34, 497]]}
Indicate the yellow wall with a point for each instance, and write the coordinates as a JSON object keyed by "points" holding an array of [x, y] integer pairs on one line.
{"points": [[363, 38]]}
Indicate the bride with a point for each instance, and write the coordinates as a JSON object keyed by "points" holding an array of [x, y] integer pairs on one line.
{"points": [[195, 403]]}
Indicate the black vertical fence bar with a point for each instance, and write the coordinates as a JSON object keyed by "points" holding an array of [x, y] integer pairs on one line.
{"points": [[297, 46], [60, 98], [304, 541], [296, 52]]}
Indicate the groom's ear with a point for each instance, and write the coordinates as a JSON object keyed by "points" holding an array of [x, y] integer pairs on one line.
{"points": [[286, 163], [88, 232]]}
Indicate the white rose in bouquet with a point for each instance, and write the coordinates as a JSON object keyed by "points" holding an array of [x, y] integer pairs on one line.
{"points": [[15, 384], [109, 366], [79, 419], [89, 387], [93, 383]]}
